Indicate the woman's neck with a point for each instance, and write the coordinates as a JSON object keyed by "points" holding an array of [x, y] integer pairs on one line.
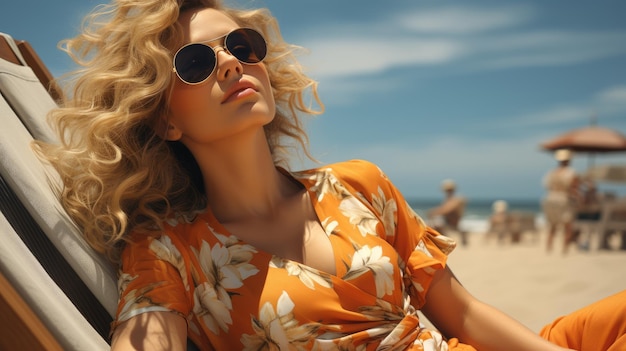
{"points": [[241, 180]]}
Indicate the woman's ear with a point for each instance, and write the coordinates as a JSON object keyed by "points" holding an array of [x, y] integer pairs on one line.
{"points": [[172, 133], [167, 130]]}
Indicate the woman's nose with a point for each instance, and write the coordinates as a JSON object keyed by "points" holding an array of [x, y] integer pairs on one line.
{"points": [[227, 64]]}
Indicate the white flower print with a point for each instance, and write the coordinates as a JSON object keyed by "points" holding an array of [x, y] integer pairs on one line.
{"points": [[240, 255], [212, 309], [130, 299], [414, 215], [386, 210], [337, 342], [366, 259], [225, 267], [383, 310], [307, 275], [359, 215], [421, 247], [278, 329], [165, 250], [435, 342], [327, 184], [329, 225], [173, 221], [123, 281], [135, 302], [444, 243], [393, 342], [181, 218]]}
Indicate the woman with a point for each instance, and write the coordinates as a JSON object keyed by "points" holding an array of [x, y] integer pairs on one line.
{"points": [[172, 156], [558, 205]]}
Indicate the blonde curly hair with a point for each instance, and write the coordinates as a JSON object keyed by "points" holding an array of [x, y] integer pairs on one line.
{"points": [[117, 174]]}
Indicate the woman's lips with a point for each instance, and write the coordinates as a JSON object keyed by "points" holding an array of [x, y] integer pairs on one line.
{"points": [[239, 90]]}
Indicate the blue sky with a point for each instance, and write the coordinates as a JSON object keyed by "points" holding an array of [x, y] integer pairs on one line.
{"points": [[431, 90]]}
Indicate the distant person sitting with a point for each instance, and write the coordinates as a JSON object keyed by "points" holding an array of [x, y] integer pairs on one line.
{"points": [[446, 217], [559, 203]]}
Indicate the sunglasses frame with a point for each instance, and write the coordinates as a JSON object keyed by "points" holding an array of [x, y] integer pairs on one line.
{"points": [[224, 48]]}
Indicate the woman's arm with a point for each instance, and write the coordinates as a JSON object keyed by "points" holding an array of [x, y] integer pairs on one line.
{"points": [[452, 309], [151, 331]]}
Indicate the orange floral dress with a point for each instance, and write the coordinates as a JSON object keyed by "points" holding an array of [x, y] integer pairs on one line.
{"points": [[237, 297]]}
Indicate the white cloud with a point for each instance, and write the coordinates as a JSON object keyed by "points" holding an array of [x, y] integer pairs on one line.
{"points": [[611, 102], [465, 37], [349, 55], [613, 95], [464, 20], [546, 48], [341, 92], [554, 115], [606, 104]]}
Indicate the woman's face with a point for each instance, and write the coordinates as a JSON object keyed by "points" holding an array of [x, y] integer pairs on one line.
{"points": [[236, 98]]}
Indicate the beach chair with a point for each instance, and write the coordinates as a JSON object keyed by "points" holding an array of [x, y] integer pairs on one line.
{"points": [[20, 52], [520, 223], [56, 292], [50, 277], [612, 220], [512, 226]]}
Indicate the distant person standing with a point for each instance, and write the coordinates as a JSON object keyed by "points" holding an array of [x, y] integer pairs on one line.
{"points": [[447, 216], [559, 205]]}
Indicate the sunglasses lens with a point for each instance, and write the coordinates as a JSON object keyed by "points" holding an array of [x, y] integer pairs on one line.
{"points": [[247, 45], [194, 63]]}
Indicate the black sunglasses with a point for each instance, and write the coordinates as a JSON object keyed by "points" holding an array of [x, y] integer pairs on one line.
{"points": [[194, 62]]}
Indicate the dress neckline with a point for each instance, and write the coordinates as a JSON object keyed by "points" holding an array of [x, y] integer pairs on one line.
{"points": [[218, 228]]}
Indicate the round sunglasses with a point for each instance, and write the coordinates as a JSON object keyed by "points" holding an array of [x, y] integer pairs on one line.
{"points": [[194, 62]]}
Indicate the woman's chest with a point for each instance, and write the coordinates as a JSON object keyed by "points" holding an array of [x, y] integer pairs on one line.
{"points": [[250, 286], [333, 248]]}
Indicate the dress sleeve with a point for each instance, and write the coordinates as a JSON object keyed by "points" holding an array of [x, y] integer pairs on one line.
{"points": [[422, 250], [152, 278]]}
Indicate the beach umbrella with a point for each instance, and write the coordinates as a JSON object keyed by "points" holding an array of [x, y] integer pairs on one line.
{"points": [[610, 173], [590, 139]]}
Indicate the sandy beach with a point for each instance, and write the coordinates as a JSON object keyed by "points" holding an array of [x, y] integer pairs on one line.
{"points": [[534, 286]]}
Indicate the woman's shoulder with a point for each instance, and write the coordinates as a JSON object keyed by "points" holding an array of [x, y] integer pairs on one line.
{"points": [[356, 176], [173, 225], [350, 169]]}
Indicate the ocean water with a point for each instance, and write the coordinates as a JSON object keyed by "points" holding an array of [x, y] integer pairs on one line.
{"points": [[478, 211]]}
